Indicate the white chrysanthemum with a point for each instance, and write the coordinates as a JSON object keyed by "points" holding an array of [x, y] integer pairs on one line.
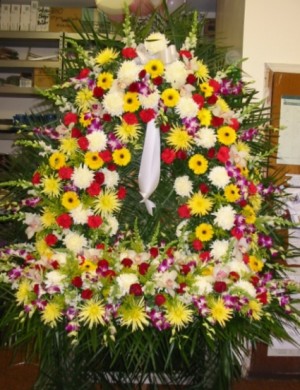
{"points": [[54, 278], [203, 285], [128, 72], [238, 266], [80, 215], [97, 141], [60, 257], [113, 103], [187, 107], [111, 178], [176, 74], [183, 186], [34, 224], [125, 281], [156, 42], [246, 286], [75, 242], [219, 249], [82, 177], [218, 177], [111, 225], [205, 138], [224, 217], [150, 101]]}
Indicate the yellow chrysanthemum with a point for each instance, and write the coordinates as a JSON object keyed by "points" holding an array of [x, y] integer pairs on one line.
{"points": [[199, 204], [202, 72], [205, 116], [206, 89], [24, 294], [249, 214], [70, 200], [121, 156], [68, 145], [255, 264], [105, 56], [170, 97], [84, 119], [178, 314], [133, 314], [52, 186], [57, 160], [244, 170], [92, 313], [219, 312], [207, 271], [255, 309], [204, 232], [84, 99], [107, 202], [126, 132], [51, 314], [226, 135], [88, 266], [93, 160], [43, 249], [198, 164], [131, 102], [242, 147], [222, 104], [105, 80], [232, 193], [255, 201], [179, 139], [48, 218], [155, 68]]}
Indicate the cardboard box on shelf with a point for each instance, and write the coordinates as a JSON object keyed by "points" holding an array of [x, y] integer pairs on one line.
{"points": [[15, 16], [44, 78], [5, 17], [60, 19], [25, 17]]}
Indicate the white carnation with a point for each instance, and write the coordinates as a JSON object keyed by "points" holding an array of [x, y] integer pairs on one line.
{"points": [[80, 215], [219, 249], [205, 138], [125, 281], [224, 217], [183, 186], [176, 74], [82, 177], [156, 42], [113, 103], [128, 72], [75, 242], [186, 107], [111, 178], [150, 101], [97, 141], [218, 177]]}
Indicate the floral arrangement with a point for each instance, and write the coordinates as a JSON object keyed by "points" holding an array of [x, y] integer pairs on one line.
{"points": [[134, 122]]}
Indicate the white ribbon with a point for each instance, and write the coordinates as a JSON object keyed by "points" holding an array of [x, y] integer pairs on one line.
{"points": [[167, 56], [149, 173]]}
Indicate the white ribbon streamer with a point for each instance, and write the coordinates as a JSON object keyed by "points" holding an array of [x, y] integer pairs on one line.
{"points": [[149, 173], [167, 56]]}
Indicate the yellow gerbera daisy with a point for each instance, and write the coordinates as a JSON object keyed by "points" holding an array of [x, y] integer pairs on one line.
{"points": [[52, 186], [48, 218], [131, 102], [24, 294], [244, 170], [255, 309], [88, 266], [84, 99], [204, 232], [219, 312], [198, 164], [199, 204], [68, 145], [107, 202], [105, 80], [133, 314], [51, 314], [85, 120], [255, 264], [249, 214], [226, 135], [232, 193], [206, 89], [202, 72], [57, 160], [93, 160], [126, 132], [170, 97], [178, 314], [179, 139], [70, 200], [121, 156], [92, 313], [105, 56], [204, 115], [155, 68]]}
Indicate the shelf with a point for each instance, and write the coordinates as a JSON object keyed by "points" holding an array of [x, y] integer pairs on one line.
{"points": [[29, 64], [15, 90], [40, 35]]}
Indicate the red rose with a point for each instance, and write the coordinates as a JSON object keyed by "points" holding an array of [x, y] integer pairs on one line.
{"points": [[83, 143], [51, 239], [106, 117], [65, 172], [99, 178], [126, 262], [122, 193], [86, 294], [147, 115], [203, 188], [142, 74], [215, 84], [143, 268], [198, 99], [165, 127], [36, 178], [212, 99], [157, 80], [211, 153], [94, 221], [183, 211], [263, 297], [197, 245], [103, 264], [75, 133], [64, 220], [205, 256], [168, 155], [134, 87], [217, 121], [84, 73], [160, 299], [110, 273], [154, 252], [70, 117], [136, 289], [243, 203], [191, 79], [105, 155], [130, 118], [94, 189], [234, 123], [77, 281], [98, 92], [223, 154], [220, 287], [185, 269], [129, 52]]}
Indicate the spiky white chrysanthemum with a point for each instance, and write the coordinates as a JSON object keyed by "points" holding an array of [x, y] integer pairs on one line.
{"points": [[187, 107], [218, 177], [113, 102], [205, 138], [111, 178], [82, 177], [124, 282], [80, 214], [75, 242], [97, 141], [224, 217], [183, 186], [110, 225], [128, 73], [203, 285], [176, 74], [219, 249]]}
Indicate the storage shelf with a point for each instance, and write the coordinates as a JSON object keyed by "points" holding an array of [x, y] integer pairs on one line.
{"points": [[15, 90], [28, 64], [40, 35]]}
